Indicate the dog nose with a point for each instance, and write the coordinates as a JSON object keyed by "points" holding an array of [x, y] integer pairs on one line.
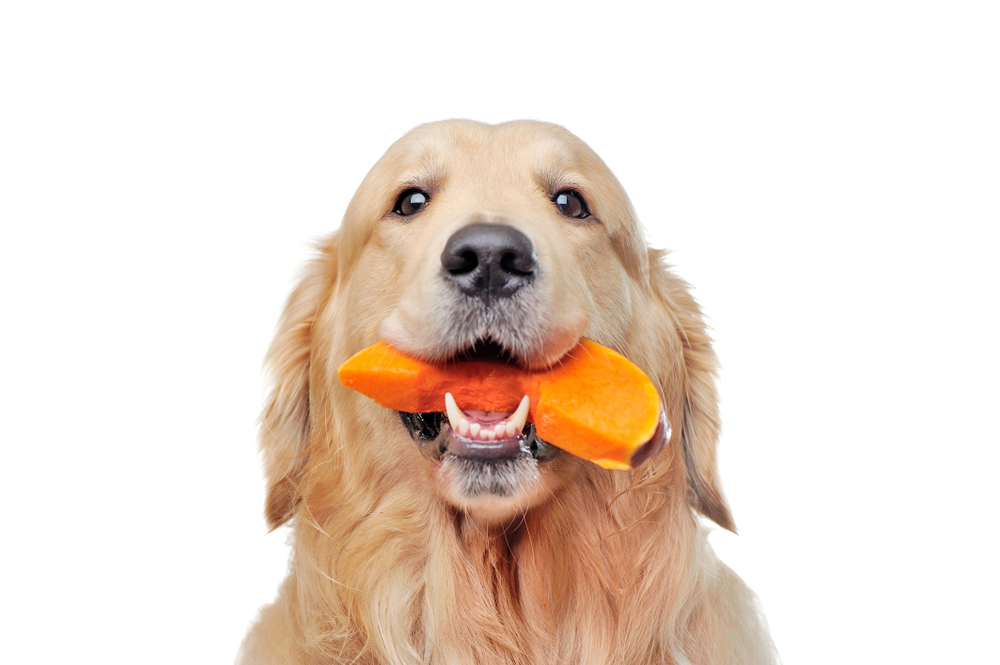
{"points": [[489, 260]]}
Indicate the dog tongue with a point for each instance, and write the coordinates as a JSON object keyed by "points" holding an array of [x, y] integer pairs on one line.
{"points": [[487, 416], [594, 403]]}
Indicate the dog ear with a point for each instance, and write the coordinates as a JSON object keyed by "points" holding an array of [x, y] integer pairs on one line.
{"points": [[699, 430], [284, 422]]}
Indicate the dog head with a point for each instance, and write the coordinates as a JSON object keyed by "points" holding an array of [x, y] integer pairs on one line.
{"points": [[508, 242]]}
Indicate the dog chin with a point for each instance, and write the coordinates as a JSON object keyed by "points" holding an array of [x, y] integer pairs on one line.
{"points": [[492, 479], [493, 490]]}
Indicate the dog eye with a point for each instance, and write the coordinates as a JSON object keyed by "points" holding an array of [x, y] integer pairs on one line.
{"points": [[410, 202], [571, 204]]}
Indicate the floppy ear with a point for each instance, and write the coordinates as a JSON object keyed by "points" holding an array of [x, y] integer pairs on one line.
{"points": [[699, 430], [284, 431]]}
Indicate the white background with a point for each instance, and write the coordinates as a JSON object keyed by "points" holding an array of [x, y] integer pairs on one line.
{"points": [[827, 174]]}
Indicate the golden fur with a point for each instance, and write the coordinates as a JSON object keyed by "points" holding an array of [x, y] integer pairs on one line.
{"points": [[586, 565]]}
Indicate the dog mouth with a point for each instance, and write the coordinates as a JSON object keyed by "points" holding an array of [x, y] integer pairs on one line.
{"points": [[475, 435]]}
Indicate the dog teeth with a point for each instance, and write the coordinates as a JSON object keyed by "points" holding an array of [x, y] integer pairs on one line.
{"points": [[466, 425], [455, 414], [521, 415]]}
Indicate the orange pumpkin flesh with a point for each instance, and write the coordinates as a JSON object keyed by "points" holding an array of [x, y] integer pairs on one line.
{"points": [[594, 403]]}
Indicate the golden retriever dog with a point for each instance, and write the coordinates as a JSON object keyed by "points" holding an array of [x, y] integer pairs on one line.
{"points": [[509, 243]]}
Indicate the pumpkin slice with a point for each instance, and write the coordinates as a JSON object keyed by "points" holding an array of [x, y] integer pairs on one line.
{"points": [[594, 403]]}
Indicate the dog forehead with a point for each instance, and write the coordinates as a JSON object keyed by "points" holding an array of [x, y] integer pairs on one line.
{"points": [[478, 153]]}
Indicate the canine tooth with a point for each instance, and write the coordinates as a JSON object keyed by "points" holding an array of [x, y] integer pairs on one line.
{"points": [[521, 415], [474, 429], [511, 429], [463, 426], [455, 414]]}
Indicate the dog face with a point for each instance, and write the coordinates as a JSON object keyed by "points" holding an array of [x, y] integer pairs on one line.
{"points": [[491, 254], [508, 242]]}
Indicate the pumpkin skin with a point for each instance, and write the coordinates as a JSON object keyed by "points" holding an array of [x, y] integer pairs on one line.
{"points": [[595, 403]]}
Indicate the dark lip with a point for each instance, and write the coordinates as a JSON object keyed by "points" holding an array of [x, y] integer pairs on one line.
{"points": [[460, 446], [435, 439]]}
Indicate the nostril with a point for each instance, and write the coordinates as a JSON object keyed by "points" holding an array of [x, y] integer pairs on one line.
{"points": [[515, 264], [469, 261], [460, 260]]}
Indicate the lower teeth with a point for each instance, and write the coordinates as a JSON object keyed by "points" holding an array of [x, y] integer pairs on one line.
{"points": [[469, 426], [427, 430]]}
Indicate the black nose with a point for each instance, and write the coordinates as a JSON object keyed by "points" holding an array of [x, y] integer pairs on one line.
{"points": [[489, 260]]}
